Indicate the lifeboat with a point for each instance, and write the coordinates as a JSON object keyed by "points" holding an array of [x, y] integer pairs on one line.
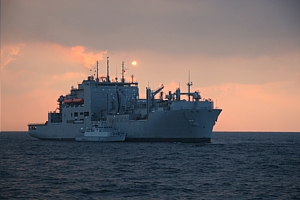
{"points": [[74, 100], [67, 100], [78, 100]]}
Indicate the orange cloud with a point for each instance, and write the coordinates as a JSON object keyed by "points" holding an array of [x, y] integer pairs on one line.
{"points": [[40, 73], [77, 54], [43, 71], [171, 86], [69, 75], [87, 58], [9, 53], [272, 106]]}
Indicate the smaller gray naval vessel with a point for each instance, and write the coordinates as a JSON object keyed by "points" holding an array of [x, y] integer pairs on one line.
{"points": [[101, 133], [167, 118]]}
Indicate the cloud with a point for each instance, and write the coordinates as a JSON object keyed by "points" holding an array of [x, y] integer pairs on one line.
{"points": [[68, 75], [37, 74], [171, 86], [244, 54], [87, 58], [202, 27], [272, 106], [47, 64], [9, 53]]}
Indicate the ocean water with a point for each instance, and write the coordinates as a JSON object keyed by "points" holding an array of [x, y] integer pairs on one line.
{"points": [[233, 166]]}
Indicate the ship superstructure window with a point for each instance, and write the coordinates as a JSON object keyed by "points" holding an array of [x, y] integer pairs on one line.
{"points": [[81, 113], [75, 114], [86, 113]]}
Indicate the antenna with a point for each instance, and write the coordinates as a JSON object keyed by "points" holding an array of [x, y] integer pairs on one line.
{"points": [[107, 70], [116, 74], [132, 76], [97, 79], [123, 71], [189, 84]]}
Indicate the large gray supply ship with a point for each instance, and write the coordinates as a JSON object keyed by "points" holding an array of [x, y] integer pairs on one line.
{"points": [[168, 119]]}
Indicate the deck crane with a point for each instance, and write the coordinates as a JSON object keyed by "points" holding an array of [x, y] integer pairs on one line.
{"points": [[155, 92]]}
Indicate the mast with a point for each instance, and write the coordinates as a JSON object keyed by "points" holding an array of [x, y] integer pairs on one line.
{"points": [[97, 77], [107, 70], [123, 70], [189, 84]]}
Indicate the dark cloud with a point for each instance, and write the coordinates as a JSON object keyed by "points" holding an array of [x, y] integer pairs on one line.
{"points": [[218, 28]]}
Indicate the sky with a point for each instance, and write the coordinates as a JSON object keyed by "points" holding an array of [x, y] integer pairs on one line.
{"points": [[244, 55]]}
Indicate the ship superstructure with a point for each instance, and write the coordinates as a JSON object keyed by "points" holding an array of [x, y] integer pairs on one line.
{"points": [[118, 104]]}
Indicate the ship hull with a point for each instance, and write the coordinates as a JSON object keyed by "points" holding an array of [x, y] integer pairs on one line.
{"points": [[161, 126], [183, 140], [115, 138]]}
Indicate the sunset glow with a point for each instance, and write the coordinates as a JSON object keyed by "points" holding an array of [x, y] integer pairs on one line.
{"points": [[248, 62]]}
